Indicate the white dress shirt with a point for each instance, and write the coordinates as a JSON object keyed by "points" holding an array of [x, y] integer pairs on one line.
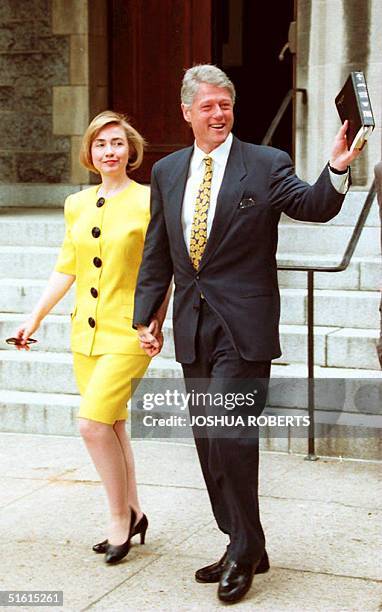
{"points": [[195, 178]]}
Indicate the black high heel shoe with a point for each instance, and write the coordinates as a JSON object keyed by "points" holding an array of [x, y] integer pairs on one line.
{"points": [[115, 553], [139, 528]]}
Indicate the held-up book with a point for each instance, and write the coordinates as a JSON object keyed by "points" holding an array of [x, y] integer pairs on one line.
{"points": [[353, 104]]}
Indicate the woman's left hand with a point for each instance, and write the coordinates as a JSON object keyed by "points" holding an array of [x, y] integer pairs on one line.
{"points": [[151, 338]]}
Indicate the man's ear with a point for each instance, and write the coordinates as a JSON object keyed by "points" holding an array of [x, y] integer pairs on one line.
{"points": [[186, 112]]}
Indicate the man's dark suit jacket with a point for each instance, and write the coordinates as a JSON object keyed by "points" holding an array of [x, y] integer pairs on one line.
{"points": [[237, 273]]}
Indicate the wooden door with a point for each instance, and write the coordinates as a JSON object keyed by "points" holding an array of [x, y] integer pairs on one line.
{"points": [[151, 43]]}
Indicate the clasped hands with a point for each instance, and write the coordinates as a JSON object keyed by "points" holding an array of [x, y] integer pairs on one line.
{"points": [[151, 338]]}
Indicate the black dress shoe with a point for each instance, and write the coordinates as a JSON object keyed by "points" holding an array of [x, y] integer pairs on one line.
{"points": [[115, 553], [140, 527], [235, 581], [212, 573]]}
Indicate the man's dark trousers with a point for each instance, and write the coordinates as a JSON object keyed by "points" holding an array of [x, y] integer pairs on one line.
{"points": [[229, 456]]}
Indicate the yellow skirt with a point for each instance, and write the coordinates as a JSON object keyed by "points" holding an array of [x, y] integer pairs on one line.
{"points": [[104, 382]]}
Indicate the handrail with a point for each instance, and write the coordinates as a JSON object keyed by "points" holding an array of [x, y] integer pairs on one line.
{"points": [[353, 241], [346, 258], [349, 251], [280, 113]]}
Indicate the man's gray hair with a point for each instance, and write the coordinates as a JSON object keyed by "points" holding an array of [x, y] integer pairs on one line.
{"points": [[204, 73]]}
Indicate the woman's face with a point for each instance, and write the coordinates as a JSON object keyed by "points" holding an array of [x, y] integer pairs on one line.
{"points": [[110, 151]]}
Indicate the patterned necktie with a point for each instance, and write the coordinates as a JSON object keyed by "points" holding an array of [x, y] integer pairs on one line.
{"points": [[199, 223]]}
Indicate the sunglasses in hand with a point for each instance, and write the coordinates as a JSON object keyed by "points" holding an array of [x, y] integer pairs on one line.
{"points": [[17, 341]]}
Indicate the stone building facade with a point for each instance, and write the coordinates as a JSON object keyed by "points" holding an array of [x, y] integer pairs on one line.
{"points": [[54, 78], [48, 86]]}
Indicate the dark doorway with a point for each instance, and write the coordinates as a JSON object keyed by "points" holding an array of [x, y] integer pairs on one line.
{"points": [[248, 36], [151, 43]]}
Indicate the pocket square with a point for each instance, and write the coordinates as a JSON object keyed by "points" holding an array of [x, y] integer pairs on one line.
{"points": [[247, 203]]}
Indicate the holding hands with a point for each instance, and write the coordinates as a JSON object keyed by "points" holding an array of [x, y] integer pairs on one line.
{"points": [[151, 338]]}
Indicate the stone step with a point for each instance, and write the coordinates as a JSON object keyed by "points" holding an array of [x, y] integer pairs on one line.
{"points": [[37, 263], [350, 429], [358, 309], [42, 413], [333, 346], [34, 227], [333, 308], [53, 334], [162, 368], [37, 371], [31, 227], [321, 239], [19, 295], [350, 211], [353, 348], [27, 262], [363, 273], [49, 372], [48, 210], [43, 196], [18, 196]]}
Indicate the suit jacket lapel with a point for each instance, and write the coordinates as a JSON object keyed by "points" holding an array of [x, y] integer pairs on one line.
{"points": [[229, 196], [176, 186]]}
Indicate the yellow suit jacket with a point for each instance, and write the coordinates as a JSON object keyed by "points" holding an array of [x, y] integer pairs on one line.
{"points": [[103, 248]]}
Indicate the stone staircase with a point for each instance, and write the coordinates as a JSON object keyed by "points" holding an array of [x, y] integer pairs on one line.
{"points": [[37, 390]]}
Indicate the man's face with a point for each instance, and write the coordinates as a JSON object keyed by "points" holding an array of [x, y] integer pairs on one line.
{"points": [[210, 115]]}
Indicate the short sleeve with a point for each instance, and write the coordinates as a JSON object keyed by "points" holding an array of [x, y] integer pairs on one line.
{"points": [[66, 261]]}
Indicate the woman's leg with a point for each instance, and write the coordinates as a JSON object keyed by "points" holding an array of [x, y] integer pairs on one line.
{"points": [[132, 492], [104, 383], [105, 450]]}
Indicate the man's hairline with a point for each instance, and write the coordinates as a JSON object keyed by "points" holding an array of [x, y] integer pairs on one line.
{"points": [[188, 106]]}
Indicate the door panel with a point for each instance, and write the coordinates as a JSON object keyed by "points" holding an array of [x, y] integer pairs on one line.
{"points": [[151, 43]]}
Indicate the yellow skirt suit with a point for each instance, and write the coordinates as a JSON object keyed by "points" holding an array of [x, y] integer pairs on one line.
{"points": [[103, 248]]}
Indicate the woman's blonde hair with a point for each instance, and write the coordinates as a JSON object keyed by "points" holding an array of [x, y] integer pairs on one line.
{"points": [[135, 141]]}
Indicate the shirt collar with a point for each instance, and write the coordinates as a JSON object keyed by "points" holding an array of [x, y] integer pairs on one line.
{"points": [[219, 155]]}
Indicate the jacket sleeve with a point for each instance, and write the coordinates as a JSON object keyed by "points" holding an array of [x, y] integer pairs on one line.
{"points": [[299, 200], [66, 261], [156, 269]]}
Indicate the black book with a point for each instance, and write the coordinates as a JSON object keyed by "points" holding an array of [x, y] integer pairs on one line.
{"points": [[353, 104]]}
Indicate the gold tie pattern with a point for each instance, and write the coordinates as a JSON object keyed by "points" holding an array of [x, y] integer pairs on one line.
{"points": [[198, 238]]}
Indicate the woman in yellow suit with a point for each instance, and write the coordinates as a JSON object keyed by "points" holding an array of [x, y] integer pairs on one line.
{"points": [[102, 251]]}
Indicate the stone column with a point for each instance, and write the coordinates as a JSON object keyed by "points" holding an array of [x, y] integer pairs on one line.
{"points": [[334, 38], [83, 22]]}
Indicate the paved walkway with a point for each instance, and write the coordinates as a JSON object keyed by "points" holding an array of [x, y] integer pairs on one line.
{"points": [[322, 520]]}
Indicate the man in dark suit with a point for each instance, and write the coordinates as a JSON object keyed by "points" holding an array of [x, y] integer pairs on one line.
{"points": [[215, 208]]}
